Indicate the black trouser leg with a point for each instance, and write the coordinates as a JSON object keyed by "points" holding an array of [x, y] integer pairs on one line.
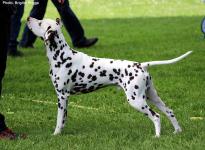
{"points": [[15, 27], [4, 37], [70, 21], [38, 12], [2, 123]]}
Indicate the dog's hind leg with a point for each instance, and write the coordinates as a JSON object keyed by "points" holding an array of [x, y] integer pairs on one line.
{"points": [[62, 111], [156, 100], [136, 98]]}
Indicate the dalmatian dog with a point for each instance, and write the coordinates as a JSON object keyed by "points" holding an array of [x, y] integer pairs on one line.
{"points": [[74, 72]]}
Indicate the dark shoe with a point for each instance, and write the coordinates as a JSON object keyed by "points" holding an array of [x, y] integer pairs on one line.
{"points": [[10, 135], [15, 53], [26, 45], [86, 43]]}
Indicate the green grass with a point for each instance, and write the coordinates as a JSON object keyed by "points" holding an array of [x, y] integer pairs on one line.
{"points": [[134, 30]]}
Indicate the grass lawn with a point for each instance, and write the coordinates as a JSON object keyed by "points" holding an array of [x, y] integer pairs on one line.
{"points": [[128, 29]]}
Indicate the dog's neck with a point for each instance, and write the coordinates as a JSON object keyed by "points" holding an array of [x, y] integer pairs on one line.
{"points": [[58, 51]]}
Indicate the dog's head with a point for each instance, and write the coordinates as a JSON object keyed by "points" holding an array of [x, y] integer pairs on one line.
{"points": [[46, 29]]}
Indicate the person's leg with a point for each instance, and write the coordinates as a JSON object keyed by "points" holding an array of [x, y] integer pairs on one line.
{"points": [[70, 21], [72, 25], [2, 123], [14, 30], [38, 12], [4, 36]]}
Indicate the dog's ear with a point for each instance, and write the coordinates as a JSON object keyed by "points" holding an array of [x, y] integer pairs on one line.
{"points": [[58, 22]]}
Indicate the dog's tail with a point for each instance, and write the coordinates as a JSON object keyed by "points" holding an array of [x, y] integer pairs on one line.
{"points": [[164, 62]]}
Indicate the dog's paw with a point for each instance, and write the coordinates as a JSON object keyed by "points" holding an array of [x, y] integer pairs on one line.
{"points": [[56, 132], [157, 136], [177, 131]]}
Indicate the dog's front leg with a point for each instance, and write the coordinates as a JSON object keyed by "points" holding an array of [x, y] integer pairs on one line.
{"points": [[62, 111]]}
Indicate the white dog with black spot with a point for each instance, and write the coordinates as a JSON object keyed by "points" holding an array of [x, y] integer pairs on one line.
{"points": [[72, 72]]}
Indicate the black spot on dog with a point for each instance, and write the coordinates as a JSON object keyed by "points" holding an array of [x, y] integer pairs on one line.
{"points": [[126, 72], [69, 72], [152, 112], [68, 65], [116, 71], [89, 76], [95, 59], [51, 72], [74, 52], [91, 65], [51, 39], [48, 28], [131, 78], [136, 87], [136, 70], [58, 64], [138, 65], [56, 54], [91, 88], [73, 77], [63, 60], [68, 81], [59, 105], [103, 73], [94, 78], [81, 74], [111, 77]]}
